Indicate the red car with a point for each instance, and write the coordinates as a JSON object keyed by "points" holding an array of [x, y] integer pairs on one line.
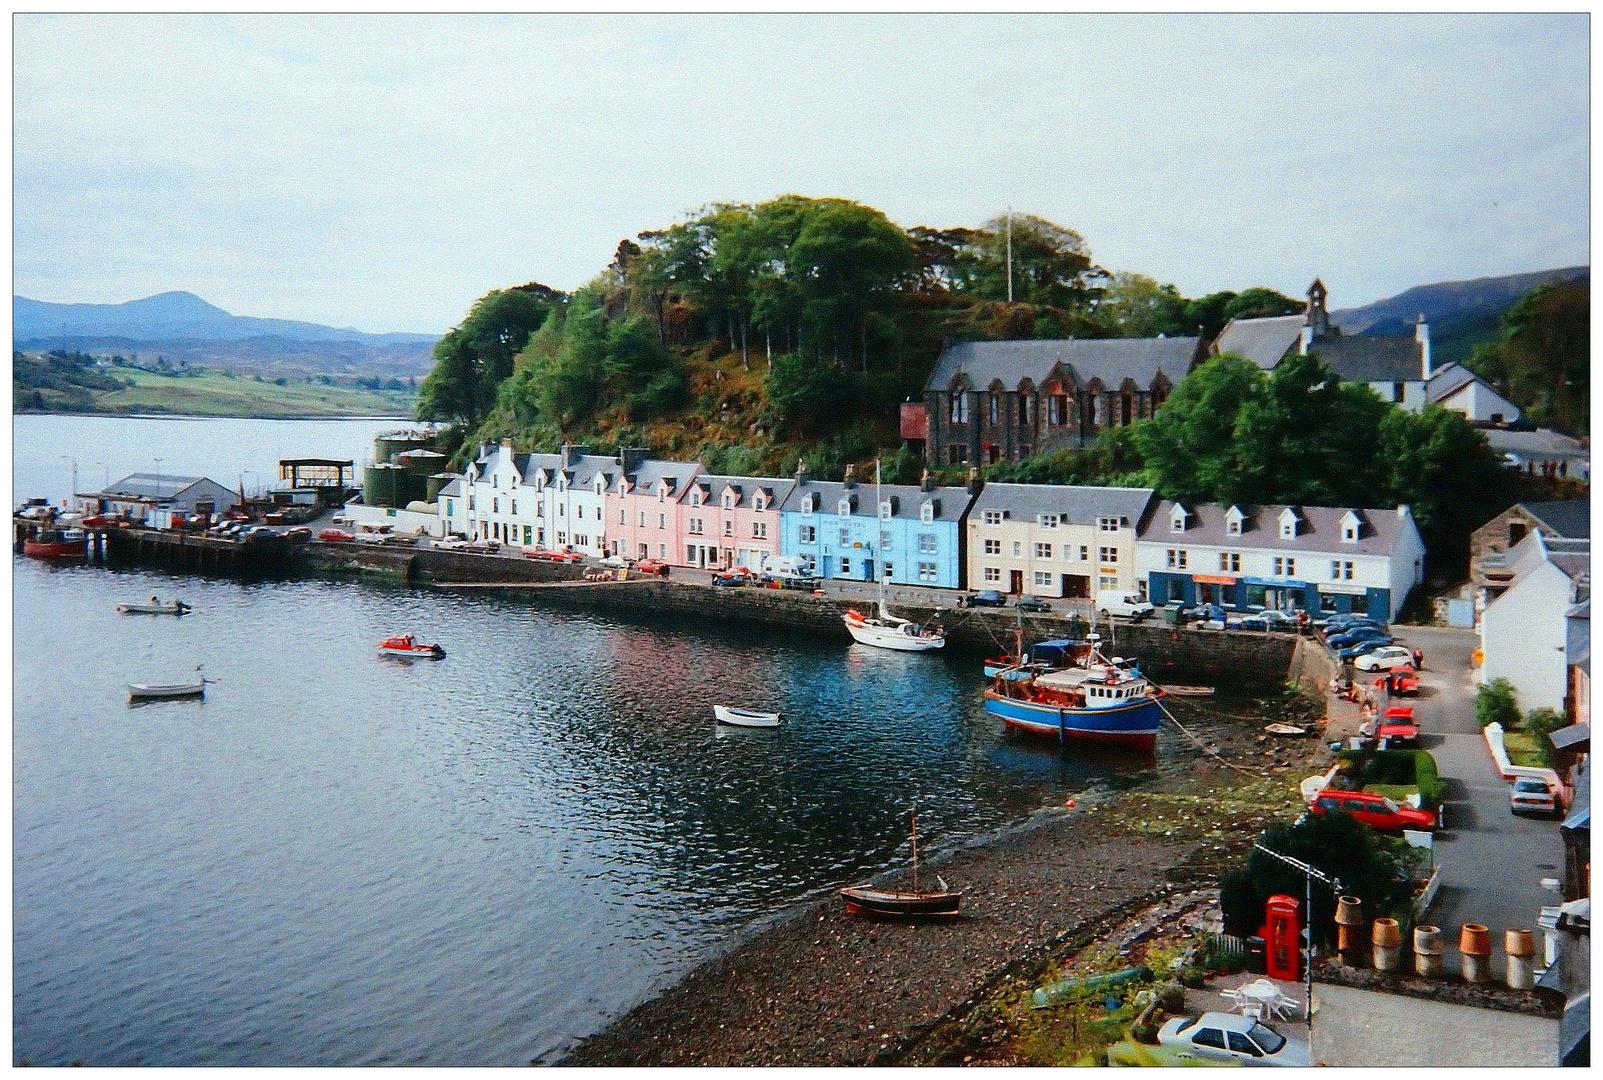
{"points": [[1376, 811], [651, 566], [552, 556], [1397, 729], [336, 536]]}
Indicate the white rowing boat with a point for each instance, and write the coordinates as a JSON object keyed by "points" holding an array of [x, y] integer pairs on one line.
{"points": [[154, 607], [728, 714], [159, 691]]}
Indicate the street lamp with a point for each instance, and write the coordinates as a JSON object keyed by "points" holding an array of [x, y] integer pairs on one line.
{"points": [[1309, 873]]}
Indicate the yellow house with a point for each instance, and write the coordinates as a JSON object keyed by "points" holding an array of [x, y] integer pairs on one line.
{"points": [[1053, 540]]}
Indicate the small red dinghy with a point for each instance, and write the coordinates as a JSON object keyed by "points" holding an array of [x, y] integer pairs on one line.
{"points": [[405, 645]]}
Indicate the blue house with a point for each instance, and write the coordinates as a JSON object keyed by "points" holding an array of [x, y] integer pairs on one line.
{"points": [[910, 535]]}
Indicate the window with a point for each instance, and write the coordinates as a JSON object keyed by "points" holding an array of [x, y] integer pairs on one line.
{"points": [[993, 517], [926, 513], [843, 508], [729, 528], [806, 534], [695, 526], [1230, 560], [926, 543], [623, 516], [996, 408], [1018, 549], [528, 535], [926, 571], [662, 551], [1232, 526], [1107, 554], [845, 567], [1397, 392], [885, 510], [1239, 1042], [1177, 558], [1285, 567], [759, 530], [1049, 521], [729, 501], [539, 510], [562, 538], [448, 509], [495, 506], [993, 547], [992, 573], [845, 537], [514, 506], [1043, 579], [959, 407], [695, 497], [1043, 551], [1107, 583], [1341, 570], [1110, 524], [884, 541], [642, 519], [957, 454], [662, 521], [581, 540], [1085, 552]]}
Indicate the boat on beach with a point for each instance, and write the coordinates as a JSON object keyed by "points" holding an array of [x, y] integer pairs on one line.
{"points": [[1189, 691], [407, 647], [914, 903], [154, 607], [1092, 699], [728, 714]]}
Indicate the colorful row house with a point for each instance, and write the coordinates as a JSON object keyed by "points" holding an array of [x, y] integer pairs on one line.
{"points": [[1057, 541], [1318, 559], [532, 500], [905, 534]]}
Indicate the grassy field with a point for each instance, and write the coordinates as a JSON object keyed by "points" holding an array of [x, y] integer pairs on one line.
{"points": [[214, 394]]}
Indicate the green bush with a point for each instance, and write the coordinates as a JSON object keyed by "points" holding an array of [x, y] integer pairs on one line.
{"points": [[1431, 788], [1496, 703]]}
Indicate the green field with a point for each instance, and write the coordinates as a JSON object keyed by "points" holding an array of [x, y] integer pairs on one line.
{"points": [[212, 393]]}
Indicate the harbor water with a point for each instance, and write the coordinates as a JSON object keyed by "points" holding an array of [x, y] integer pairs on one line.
{"points": [[342, 859]]}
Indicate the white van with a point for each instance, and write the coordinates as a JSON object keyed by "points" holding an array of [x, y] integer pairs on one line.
{"points": [[1115, 602]]}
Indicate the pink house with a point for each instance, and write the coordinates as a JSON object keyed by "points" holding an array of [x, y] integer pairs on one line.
{"points": [[642, 510], [730, 521]]}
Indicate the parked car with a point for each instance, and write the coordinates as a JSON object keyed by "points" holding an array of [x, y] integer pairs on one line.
{"points": [[1355, 635], [1276, 621], [617, 562], [1331, 623], [1384, 658], [1363, 648], [451, 543], [1531, 796], [336, 536], [240, 515], [1397, 730], [1221, 1036], [299, 534], [1114, 602], [1033, 603], [651, 566], [983, 598], [1399, 682], [547, 555], [1374, 810], [729, 579], [483, 547]]}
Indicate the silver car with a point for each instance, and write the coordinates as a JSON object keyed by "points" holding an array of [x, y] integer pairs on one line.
{"points": [[1220, 1036]]}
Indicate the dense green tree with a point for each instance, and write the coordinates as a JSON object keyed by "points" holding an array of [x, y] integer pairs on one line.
{"points": [[1211, 312], [474, 358], [1136, 305], [1442, 468], [1190, 445], [1542, 359]]}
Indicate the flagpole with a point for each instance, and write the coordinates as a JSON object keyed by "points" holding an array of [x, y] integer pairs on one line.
{"points": [[1010, 254]]}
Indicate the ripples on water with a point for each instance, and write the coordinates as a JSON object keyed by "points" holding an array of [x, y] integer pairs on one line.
{"points": [[343, 859]]}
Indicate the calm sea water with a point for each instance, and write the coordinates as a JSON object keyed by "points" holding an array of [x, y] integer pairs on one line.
{"points": [[337, 858]]}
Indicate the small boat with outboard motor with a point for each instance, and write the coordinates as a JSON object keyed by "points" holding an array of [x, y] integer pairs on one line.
{"points": [[153, 606], [162, 691], [408, 647]]}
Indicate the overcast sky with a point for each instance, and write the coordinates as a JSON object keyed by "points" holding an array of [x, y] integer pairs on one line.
{"points": [[384, 171]]}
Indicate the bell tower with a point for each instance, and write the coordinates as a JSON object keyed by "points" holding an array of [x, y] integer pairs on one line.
{"points": [[1317, 319]]}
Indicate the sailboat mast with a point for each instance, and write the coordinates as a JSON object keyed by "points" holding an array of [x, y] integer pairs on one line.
{"points": [[912, 817], [879, 524]]}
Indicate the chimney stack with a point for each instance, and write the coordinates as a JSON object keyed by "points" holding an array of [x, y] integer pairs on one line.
{"points": [[926, 482], [630, 458], [1422, 335], [851, 477], [801, 472], [975, 483]]}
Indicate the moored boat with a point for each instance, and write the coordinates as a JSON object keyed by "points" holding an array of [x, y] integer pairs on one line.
{"points": [[914, 903], [887, 631], [728, 714], [154, 607], [1091, 699], [1189, 691], [159, 691], [57, 544], [408, 647]]}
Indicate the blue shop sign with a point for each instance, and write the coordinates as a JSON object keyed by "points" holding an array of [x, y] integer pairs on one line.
{"points": [[1276, 583]]}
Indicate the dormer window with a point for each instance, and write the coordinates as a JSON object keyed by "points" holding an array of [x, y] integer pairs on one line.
{"points": [[695, 497], [1288, 524], [927, 512], [809, 502], [884, 509], [1111, 524], [729, 501], [1351, 526], [1049, 521], [1177, 519], [844, 508], [1233, 519]]}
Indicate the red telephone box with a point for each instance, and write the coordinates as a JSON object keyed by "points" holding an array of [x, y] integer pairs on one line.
{"points": [[1282, 935]]}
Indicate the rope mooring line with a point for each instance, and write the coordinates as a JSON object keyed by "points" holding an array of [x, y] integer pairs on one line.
{"points": [[1208, 749]]}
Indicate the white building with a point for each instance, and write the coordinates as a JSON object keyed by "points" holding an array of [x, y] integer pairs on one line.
{"points": [[157, 499], [1523, 631], [532, 500], [1312, 558], [1457, 388]]}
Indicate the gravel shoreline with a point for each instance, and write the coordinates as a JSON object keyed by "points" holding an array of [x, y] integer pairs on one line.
{"points": [[825, 989]]}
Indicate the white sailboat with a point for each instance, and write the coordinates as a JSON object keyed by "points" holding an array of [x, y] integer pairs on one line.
{"points": [[887, 631]]}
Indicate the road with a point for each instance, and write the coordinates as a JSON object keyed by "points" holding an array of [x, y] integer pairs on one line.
{"points": [[1359, 1028], [1493, 863]]}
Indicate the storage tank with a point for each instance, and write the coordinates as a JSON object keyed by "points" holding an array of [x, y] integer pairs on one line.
{"points": [[436, 484], [387, 447], [379, 484], [422, 462], [410, 487]]}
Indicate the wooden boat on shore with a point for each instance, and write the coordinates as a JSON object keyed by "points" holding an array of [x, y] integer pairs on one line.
{"points": [[407, 647], [914, 903], [728, 714], [154, 607], [1189, 691], [1285, 729]]}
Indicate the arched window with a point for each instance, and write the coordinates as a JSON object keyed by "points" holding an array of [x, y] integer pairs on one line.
{"points": [[996, 407]]}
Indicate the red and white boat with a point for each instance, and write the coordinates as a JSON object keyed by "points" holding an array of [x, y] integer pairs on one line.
{"points": [[405, 645], [57, 544]]}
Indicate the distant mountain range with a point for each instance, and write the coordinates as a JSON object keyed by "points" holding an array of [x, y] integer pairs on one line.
{"points": [[182, 326], [1460, 313]]}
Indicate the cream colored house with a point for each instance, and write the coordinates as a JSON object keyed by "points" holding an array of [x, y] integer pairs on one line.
{"points": [[1053, 540]]}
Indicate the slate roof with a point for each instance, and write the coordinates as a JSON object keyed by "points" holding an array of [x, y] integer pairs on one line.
{"points": [[744, 487], [453, 488], [1319, 528], [1395, 358], [1263, 341], [1110, 359], [654, 471], [1541, 443], [1570, 518], [1446, 380], [147, 486], [909, 499], [1079, 505]]}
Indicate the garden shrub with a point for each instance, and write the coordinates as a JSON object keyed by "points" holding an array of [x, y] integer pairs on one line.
{"points": [[1497, 703]]}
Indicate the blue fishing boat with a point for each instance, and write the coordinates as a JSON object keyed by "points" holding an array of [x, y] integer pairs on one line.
{"points": [[1042, 657], [1090, 698]]}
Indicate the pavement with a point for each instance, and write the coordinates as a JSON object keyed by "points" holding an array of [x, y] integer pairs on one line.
{"points": [[1493, 863], [1362, 1028]]}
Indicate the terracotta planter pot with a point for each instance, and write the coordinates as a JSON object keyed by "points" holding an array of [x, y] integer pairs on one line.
{"points": [[1519, 943], [1428, 940], [1475, 940], [1386, 933], [1349, 911]]}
